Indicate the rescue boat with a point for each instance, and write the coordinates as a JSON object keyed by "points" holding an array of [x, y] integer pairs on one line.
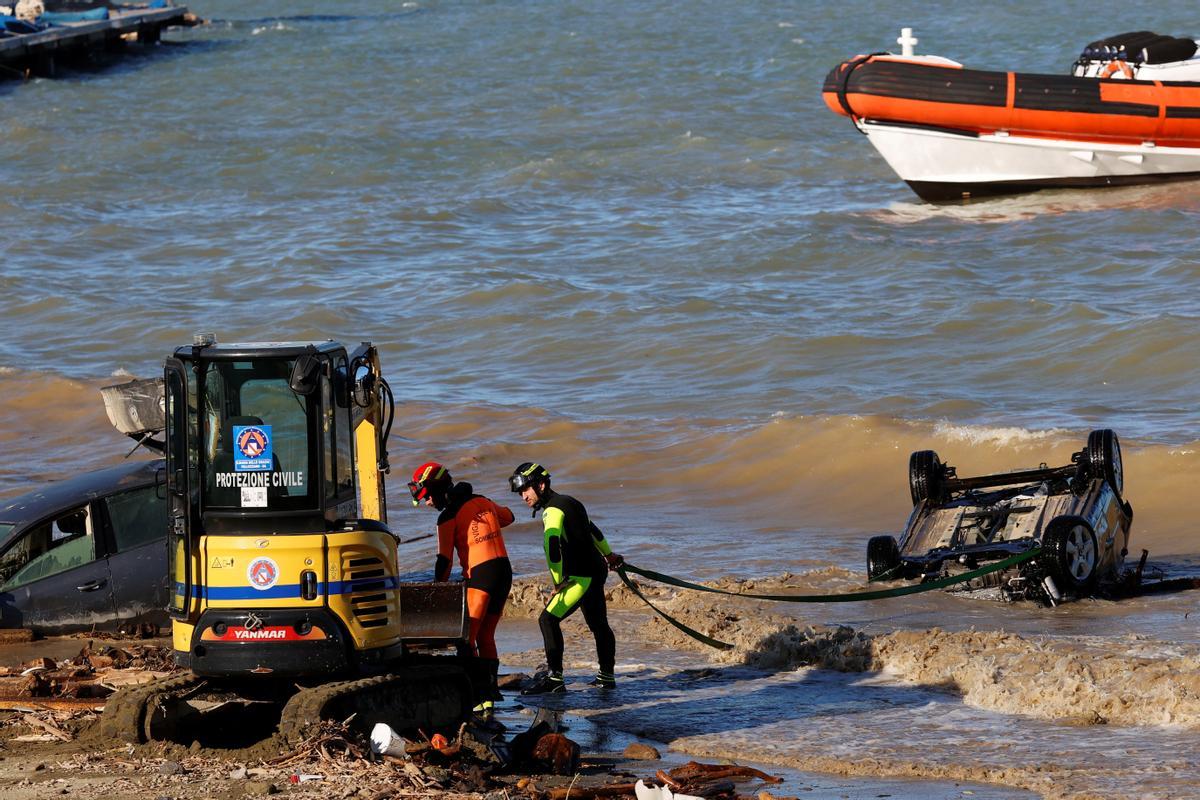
{"points": [[1128, 113]]}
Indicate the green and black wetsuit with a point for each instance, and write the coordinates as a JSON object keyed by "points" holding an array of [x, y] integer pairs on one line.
{"points": [[575, 551]]}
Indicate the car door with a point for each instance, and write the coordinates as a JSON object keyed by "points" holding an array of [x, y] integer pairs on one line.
{"points": [[136, 522], [51, 579]]}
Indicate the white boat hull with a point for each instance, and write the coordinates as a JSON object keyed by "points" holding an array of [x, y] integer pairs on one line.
{"points": [[942, 165]]}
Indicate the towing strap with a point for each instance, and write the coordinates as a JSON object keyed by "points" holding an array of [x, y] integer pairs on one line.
{"points": [[849, 597]]}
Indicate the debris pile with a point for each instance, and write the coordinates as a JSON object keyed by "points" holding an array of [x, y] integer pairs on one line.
{"points": [[534, 764], [57, 703], [81, 683]]}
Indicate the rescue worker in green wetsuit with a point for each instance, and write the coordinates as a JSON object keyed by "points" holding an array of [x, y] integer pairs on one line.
{"points": [[579, 559]]}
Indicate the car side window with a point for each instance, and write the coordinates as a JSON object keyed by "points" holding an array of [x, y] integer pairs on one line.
{"points": [[137, 517], [60, 544]]}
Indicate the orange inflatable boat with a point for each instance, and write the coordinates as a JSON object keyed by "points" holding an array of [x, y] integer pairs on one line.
{"points": [[1128, 114]]}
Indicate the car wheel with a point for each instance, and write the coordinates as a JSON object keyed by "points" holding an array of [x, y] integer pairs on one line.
{"points": [[1069, 553], [883, 557], [926, 477], [1103, 456]]}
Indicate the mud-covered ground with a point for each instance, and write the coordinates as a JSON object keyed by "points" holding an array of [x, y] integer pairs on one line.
{"points": [[52, 753], [815, 702]]}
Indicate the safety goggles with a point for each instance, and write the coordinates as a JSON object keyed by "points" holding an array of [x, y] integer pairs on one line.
{"points": [[417, 490], [519, 483]]}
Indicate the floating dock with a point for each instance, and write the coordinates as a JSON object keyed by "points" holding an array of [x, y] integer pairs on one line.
{"points": [[41, 53]]}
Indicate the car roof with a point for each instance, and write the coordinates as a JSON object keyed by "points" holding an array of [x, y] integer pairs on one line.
{"points": [[59, 495]]}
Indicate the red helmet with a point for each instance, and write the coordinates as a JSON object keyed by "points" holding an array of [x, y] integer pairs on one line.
{"points": [[430, 479]]}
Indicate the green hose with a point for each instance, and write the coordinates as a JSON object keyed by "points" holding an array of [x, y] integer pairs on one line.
{"points": [[850, 597]]}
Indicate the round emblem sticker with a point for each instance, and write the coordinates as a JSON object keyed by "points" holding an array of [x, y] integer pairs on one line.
{"points": [[263, 573], [252, 442]]}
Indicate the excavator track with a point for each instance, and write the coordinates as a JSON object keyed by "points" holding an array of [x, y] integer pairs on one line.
{"points": [[128, 712], [423, 697], [419, 697]]}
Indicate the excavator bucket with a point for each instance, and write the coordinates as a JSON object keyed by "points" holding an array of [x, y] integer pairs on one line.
{"points": [[433, 612]]}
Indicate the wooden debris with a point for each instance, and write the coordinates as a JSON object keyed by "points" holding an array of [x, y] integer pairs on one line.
{"points": [[693, 772], [73, 705], [53, 730], [79, 685], [709, 780], [329, 742], [16, 635], [588, 792]]}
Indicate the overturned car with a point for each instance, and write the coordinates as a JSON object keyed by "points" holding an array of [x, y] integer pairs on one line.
{"points": [[1075, 514]]}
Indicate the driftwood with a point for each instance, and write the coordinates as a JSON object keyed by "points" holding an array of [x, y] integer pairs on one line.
{"points": [[693, 771], [73, 704], [53, 730], [330, 742], [588, 792], [709, 780]]}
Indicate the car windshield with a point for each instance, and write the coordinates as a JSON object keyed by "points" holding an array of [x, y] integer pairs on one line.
{"points": [[5, 530]]}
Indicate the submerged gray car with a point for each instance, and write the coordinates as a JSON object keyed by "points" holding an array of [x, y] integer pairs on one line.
{"points": [[1075, 514], [86, 553]]}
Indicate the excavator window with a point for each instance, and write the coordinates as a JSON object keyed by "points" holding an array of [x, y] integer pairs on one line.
{"points": [[262, 453], [342, 428]]}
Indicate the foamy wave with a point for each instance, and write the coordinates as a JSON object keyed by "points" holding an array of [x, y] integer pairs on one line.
{"points": [[278, 26], [998, 436], [1083, 683], [1025, 207], [1089, 682]]}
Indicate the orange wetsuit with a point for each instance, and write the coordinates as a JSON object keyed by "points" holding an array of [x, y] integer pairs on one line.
{"points": [[470, 524]]}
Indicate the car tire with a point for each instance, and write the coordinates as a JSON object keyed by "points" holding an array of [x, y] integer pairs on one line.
{"points": [[926, 477], [1069, 554], [883, 557], [1103, 457]]}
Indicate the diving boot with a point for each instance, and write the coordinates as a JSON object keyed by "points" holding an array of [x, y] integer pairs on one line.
{"points": [[484, 717], [495, 689], [603, 680], [551, 683]]}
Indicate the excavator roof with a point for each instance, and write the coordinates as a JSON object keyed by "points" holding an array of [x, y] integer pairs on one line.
{"points": [[257, 349]]}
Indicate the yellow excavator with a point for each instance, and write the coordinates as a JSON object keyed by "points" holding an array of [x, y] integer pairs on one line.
{"points": [[288, 605]]}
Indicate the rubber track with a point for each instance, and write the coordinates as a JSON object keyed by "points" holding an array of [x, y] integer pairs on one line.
{"points": [[417, 688], [125, 710]]}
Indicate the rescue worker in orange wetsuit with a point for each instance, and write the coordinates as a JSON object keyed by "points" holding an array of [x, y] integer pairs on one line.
{"points": [[470, 524]]}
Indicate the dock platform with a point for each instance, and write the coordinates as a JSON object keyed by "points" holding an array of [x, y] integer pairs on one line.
{"points": [[40, 53]]}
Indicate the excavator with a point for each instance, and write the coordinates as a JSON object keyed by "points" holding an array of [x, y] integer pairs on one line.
{"points": [[288, 606]]}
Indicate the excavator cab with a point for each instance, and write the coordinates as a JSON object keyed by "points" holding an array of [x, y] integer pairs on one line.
{"points": [[287, 588], [275, 475]]}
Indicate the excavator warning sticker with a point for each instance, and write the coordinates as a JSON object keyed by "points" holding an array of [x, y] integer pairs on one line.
{"points": [[263, 573], [252, 448]]}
